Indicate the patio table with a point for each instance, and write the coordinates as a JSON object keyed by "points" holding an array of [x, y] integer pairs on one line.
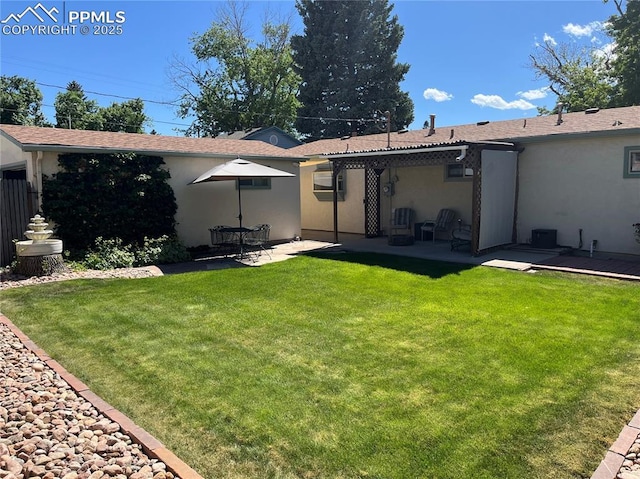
{"points": [[239, 234]]}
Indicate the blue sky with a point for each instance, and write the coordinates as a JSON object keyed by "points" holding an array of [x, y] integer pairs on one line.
{"points": [[469, 59]]}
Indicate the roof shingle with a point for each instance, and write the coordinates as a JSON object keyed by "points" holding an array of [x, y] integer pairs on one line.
{"points": [[603, 121], [33, 138]]}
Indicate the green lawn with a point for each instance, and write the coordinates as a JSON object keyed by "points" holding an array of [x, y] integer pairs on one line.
{"points": [[355, 365]]}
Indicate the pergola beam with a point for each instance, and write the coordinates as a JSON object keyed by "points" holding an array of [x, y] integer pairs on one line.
{"points": [[467, 153]]}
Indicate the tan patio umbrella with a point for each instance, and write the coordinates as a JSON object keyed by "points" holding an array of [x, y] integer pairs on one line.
{"points": [[236, 170]]}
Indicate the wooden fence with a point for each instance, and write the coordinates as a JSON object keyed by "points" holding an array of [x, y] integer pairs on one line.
{"points": [[15, 212]]}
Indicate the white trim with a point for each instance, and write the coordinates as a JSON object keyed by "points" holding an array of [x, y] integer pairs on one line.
{"points": [[408, 151]]}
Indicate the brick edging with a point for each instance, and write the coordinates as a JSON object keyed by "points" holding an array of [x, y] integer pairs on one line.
{"points": [[612, 462], [150, 445]]}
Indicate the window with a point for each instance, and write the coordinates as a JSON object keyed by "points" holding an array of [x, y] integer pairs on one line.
{"points": [[322, 184], [322, 181], [457, 171], [632, 162], [254, 183]]}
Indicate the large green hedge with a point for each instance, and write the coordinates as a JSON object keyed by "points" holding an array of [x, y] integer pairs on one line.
{"points": [[121, 195]]}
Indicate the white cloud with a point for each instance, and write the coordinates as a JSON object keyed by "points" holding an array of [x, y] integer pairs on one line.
{"points": [[534, 94], [436, 95], [497, 102], [582, 30], [549, 39], [605, 51]]}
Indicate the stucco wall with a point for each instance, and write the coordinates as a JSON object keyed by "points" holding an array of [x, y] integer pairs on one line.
{"points": [[578, 184], [318, 215], [422, 188], [205, 205], [11, 155]]}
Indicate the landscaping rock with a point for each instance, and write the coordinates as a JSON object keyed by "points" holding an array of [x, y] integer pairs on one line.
{"points": [[631, 466], [47, 431], [11, 280]]}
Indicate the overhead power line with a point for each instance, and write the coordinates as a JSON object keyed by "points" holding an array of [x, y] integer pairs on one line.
{"points": [[175, 104], [111, 95]]}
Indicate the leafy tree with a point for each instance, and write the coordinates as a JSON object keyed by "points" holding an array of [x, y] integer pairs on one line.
{"points": [[590, 77], [111, 196], [75, 111], [127, 117], [578, 76], [20, 102], [624, 28], [236, 83], [347, 59]]}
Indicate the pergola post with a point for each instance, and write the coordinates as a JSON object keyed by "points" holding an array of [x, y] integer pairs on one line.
{"points": [[337, 167]]}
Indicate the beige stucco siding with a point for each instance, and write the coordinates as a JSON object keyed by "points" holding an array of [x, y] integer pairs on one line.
{"points": [[578, 184], [204, 205], [423, 189], [13, 158], [318, 215], [11, 155]]}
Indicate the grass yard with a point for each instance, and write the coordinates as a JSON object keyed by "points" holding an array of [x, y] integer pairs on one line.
{"points": [[355, 365]]}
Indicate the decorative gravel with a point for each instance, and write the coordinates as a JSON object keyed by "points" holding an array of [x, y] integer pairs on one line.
{"points": [[10, 280], [47, 431], [631, 466]]}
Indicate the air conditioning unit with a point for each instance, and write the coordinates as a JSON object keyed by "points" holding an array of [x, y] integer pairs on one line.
{"points": [[543, 238]]}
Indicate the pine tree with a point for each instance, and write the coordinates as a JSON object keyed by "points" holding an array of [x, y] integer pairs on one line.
{"points": [[347, 59], [75, 111]]}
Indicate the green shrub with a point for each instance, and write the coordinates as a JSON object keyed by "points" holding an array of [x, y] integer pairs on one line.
{"points": [[163, 250], [119, 195], [113, 253], [109, 254]]}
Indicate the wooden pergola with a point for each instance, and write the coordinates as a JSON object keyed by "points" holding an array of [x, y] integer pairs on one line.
{"points": [[375, 162]]}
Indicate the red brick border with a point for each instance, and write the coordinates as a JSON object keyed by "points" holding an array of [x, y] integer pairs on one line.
{"points": [[150, 445], [611, 464]]}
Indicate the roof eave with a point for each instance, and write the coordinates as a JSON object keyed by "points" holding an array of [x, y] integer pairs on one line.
{"points": [[461, 145], [88, 149], [564, 136]]}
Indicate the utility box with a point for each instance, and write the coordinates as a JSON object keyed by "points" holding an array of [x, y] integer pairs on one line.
{"points": [[542, 238]]}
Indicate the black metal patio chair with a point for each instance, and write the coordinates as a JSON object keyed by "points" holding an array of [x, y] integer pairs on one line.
{"points": [[257, 240]]}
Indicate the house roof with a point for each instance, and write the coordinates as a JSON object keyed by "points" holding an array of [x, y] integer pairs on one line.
{"points": [[593, 122], [32, 138], [237, 135], [259, 134], [601, 122]]}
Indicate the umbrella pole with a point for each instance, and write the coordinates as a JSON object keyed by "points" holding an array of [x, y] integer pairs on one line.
{"points": [[240, 233], [239, 203]]}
